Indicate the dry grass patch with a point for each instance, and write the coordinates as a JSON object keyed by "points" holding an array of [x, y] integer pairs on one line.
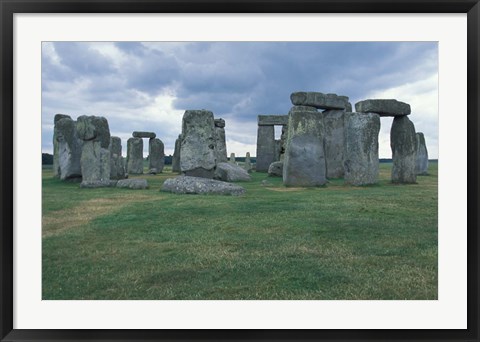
{"points": [[60, 221]]}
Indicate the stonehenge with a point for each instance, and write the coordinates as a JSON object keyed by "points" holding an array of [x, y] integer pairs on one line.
{"points": [[321, 139]]}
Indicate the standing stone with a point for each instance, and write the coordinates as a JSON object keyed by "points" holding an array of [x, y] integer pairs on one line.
{"points": [[361, 148], [197, 150], [265, 147], [220, 142], [283, 142], [248, 163], [67, 148], [333, 121], [421, 166], [232, 158], [304, 163], [176, 155], [135, 156], [56, 169], [95, 160], [403, 141], [278, 149], [117, 163], [156, 155]]}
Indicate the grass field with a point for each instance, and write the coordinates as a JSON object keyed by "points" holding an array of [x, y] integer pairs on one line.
{"points": [[334, 242]]}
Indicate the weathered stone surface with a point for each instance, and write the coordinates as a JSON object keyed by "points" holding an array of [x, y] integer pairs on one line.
{"points": [[117, 163], [232, 159], [220, 142], [137, 134], [135, 184], [283, 142], [231, 173], [94, 128], [361, 148], [276, 169], [383, 107], [203, 186], [319, 100], [403, 141], [271, 120], [304, 163], [95, 164], [197, 150], [156, 155], [219, 123], [333, 121], [265, 147], [135, 156], [176, 155], [59, 117], [248, 163], [278, 149], [421, 166], [67, 148]]}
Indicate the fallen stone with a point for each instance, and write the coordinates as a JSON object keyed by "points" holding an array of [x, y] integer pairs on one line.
{"points": [[135, 184], [266, 183], [319, 100], [231, 173], [202, 186], [421, 166], [197, 150], [403, 141], [138, 134], [276, 169], [304, 163], [383, 107], [361, 148]]}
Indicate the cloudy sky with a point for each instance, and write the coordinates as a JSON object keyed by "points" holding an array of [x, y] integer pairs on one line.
{"points": [[147, 86]]}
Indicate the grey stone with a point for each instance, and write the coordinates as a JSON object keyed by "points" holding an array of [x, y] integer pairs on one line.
{"points": [[137, 134], [276, 169], [156, 154], [266, 183], [361, 148], [231, 173], [59, 117], [271, 120], [117, 163], [383, 107], [333, 121], [135, 184], [278, 149], [153, 171], [203, 186], [421, 166], [232, 159], [176, 155], [319, 100], [94, 128], [248, 163], [304, 163], [220, 142], [95, 164], [403, 141], [135, 156], [67, 149], [219, 123], [197, 150], [265, 147]]}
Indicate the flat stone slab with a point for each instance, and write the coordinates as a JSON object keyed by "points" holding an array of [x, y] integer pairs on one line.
{"points": [[319, 100], [138, 134], [201, 186], [272, 120], [231, 173], [135, 184], [383, 107]]}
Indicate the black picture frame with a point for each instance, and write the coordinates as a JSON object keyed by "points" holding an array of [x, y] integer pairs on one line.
{"points": [[9, 7]]}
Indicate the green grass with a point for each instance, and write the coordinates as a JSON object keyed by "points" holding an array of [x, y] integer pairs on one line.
{"points": [[334, 242]]}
